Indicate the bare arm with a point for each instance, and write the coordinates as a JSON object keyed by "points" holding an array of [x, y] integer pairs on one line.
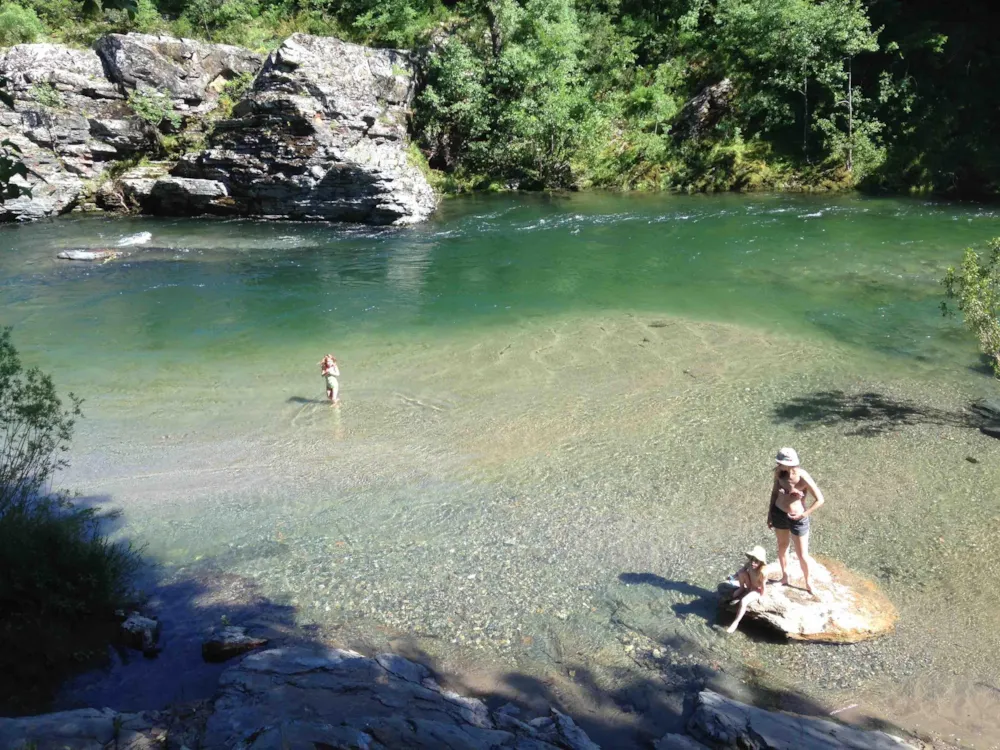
{"points": [[770, 505], [817, 493]]}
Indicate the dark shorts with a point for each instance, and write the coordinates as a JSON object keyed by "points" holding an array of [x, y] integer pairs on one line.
{"points": [[780, 520]]}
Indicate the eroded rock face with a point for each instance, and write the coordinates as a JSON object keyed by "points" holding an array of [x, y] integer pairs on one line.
{"points": [[69, 121], [335, 698], [720, 722], [847, 608], [321, 135], [190, 72]]}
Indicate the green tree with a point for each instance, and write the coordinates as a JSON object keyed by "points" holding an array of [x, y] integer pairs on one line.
{"points": [[18, 25], [506, 100], [60, 578], [792, 61], [974, 289]]}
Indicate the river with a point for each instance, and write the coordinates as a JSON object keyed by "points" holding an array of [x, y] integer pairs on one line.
{"points": [[558, 424]]}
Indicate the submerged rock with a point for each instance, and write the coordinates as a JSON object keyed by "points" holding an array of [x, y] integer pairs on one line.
{"points": [[723, 723], [847, 608], [89, 255], [229, 641], [299, 697], [321, 135]]}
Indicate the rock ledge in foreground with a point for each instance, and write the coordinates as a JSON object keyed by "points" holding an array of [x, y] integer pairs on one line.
{"points": [[301, 697], [847, 608], [720, 722]]}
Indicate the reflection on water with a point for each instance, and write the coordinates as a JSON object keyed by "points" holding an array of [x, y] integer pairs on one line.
{"points": [[557, 424]]}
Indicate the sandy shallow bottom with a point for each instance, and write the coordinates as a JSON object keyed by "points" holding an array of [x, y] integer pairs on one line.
{"points": [[545, 508]]}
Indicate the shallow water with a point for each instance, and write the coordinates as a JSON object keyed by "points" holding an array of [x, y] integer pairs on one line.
{"points": [[558, 420]]}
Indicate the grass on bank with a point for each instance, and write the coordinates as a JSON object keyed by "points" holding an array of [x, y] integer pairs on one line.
{"points": [[61, 579]]}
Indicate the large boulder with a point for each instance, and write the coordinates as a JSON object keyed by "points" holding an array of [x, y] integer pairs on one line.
{"points": [[846, 608], [69, 121], [190, 72], [71, 117], [321, 135], [720, 722], [298, 697]]}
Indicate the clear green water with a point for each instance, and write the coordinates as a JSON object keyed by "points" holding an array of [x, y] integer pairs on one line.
{"points": [[543, 395]]}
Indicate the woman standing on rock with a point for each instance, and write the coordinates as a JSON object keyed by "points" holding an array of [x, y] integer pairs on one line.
{"points": [[787, 513]]}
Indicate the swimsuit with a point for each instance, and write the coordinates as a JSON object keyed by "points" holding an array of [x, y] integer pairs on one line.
{"points": [[780, 520]]}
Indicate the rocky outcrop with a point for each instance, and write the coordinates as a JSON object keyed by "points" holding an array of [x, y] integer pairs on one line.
{"points": [[69, 121], [329, 698], [298, 697], [720, 722], [846, 608], [189, 72], [321, 135], [702, 113]]}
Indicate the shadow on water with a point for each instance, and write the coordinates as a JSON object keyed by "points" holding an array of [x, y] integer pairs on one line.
{"points": [[303, 400], [704, 604], [865, 414]]}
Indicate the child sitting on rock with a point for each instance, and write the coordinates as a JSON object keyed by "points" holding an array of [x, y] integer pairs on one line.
{"points": [[752, 580]]}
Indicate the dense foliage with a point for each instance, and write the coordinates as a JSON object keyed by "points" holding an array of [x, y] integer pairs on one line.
{"points": [[554, 93], [974, 288], [60, 578]]}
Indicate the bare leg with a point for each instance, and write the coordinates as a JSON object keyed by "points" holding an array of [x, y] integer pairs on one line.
{"points": [[329, 394], [783, 535], [751, 596], [802, 552], [336, 391], [744, 581]]}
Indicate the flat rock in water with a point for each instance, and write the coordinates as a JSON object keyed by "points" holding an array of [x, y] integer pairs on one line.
{"points": [[229, 641], [846, 608], [721, 722], [89, 255]]}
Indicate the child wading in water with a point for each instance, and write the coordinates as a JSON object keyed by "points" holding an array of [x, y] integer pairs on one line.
{"points": [[328, 366], [752, 582]]}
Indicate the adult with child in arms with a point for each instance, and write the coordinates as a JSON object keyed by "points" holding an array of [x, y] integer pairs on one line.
{"points": [[787, 513]]}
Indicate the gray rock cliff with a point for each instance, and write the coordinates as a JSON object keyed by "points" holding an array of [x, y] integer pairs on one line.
{"points": [[69, 121], [320, 135]]}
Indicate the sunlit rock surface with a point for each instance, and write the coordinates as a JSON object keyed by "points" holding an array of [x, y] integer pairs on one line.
{"points": [[321, 135], [720, 722], [846, 608]]}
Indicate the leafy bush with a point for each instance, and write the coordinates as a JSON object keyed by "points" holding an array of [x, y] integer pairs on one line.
{"points": [[975, 288], [154, 107], [47, 95], [19, 25], [60, 578], [232, 91]]}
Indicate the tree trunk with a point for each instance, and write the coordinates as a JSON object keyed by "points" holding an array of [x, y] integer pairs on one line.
{"points": [[496, 30], [850, 118]]}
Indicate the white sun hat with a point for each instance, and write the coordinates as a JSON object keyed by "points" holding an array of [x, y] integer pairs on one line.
{"points": [[758, 553], [787, 457]]}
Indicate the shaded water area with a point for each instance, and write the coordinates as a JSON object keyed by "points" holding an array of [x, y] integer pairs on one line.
{"points": [[558, 423]]}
